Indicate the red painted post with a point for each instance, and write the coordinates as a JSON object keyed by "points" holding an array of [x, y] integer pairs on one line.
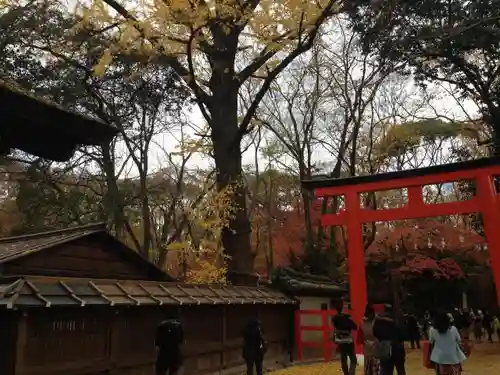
{"points": [[486, 192], [298, 336], [325, 325], [355, 257]]}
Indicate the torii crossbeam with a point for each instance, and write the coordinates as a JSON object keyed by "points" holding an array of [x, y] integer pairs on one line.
{"points": [[486, 201]]}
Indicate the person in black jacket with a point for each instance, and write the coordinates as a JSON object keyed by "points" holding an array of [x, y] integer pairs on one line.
{"points": [[413, 331], [254, 346], [385, 328], [343, 335], [488, 324], [169, 338]]}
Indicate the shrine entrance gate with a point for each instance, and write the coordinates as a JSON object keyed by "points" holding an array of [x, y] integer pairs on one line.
{"points": [[486, 201]]}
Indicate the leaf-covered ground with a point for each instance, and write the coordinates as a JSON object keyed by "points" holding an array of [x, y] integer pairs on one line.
{"points": [[485, 360]]}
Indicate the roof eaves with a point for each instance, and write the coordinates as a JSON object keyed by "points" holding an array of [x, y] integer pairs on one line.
{"points": [[101, 226], [35, 291], [46, 245]]}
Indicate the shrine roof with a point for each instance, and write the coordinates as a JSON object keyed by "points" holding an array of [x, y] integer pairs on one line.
{"points": [[43, 128], [298, 283], [19, 246], [33, 291], [326, 182]]}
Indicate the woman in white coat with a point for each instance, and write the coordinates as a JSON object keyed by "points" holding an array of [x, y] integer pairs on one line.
{"points": [[446, 351]]}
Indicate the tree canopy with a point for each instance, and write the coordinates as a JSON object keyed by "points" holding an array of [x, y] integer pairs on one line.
{"points": [[223, 106], [451, 41]]}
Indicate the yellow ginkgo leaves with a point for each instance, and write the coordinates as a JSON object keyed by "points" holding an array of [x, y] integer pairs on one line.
{"points": [[105, 60]]}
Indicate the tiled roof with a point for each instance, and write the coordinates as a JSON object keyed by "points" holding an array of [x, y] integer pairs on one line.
{"points": [[53, 292], [18, 246], [293, 282]]}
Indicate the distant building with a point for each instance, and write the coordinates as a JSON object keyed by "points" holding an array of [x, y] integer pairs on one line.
{"points": [[313, 293]]}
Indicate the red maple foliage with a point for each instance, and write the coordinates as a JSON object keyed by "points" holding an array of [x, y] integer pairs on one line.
{"points": [[433, 247], [445, 269], [289, 234], [429, 246]]}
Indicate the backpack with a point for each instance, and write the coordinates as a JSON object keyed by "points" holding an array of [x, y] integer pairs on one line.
{"points": [[342, 337], [382, 349]]}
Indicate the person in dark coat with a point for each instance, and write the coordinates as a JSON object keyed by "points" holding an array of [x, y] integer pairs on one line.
{"points": [[413, 331], [463, 323], [254, 346], [385, 328], [488, 324], [169, 339], [343, 335]]}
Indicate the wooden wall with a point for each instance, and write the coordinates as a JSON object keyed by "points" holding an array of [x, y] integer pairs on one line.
{"points": [[8, 338], [86, 341]]}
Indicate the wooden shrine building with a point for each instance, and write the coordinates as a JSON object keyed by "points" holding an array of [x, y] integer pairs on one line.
{"points": [[79, 302]]}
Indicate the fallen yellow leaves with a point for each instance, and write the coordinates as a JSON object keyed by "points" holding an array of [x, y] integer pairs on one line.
{"points": [[485, 360]]}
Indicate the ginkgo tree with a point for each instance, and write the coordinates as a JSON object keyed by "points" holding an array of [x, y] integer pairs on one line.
{"points": [[199, 255], [216, 46]]}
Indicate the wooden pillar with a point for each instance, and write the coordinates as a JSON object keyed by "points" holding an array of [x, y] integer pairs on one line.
{"points": [[487, 195], [21, 341]]}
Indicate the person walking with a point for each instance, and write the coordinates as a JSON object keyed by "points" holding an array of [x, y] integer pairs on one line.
{"points": [[389, 333], [425, 323], [367, 339], [477, 327], [463, 324], [413, 331], [488, 325], [344, 327], [446, 350], [168, 342], [496, 326], [254, 347]]}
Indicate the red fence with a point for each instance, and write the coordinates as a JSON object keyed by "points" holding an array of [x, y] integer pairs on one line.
{"points": [[326, 342]]}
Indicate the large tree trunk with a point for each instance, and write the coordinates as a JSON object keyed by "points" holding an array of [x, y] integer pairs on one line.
{"points": [[235, 237], [227, 154]]}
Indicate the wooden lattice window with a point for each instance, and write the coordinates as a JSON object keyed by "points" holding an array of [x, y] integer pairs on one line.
{"points": [[134, 334], [56, 338]]}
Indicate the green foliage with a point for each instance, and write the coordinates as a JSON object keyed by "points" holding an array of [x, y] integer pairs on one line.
{"points": [[405, 137], [453, 41], [42, 51], [327, 261], [46, 203]]}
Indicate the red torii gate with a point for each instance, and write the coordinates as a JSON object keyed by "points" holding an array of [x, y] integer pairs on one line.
{"points": [[486, 201]]}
